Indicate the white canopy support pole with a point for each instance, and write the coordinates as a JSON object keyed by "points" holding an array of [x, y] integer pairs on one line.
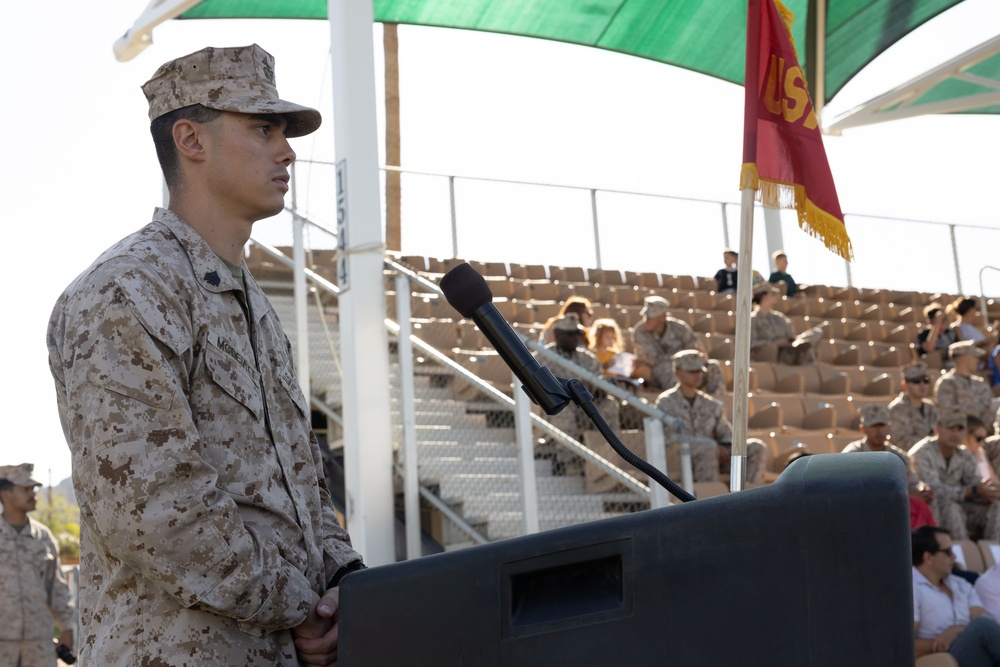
{"points": [[741, 361], [140, 35], [597, 229], [772, 231], [364, 342], [411, 482], [526, 458], [300, 294]]}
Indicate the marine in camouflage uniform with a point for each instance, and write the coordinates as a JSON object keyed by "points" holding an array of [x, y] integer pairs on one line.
{"points": [[208, 533], [572, 420], [872, 416], [656, 346], [701, 416], [772, 328], [32, 585], [961, 387], [957, 505], [913, 416]]}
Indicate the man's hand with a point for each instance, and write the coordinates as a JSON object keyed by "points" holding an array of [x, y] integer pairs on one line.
{"points": [[66, 638], [944, 640], [988, 491], [316, 637], [725, 455]]}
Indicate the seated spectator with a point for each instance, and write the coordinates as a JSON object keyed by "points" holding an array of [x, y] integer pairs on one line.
{"points": [[962, 499], [961, 387], [947, 612], [913, 414], [698, 419], [725, 278], [780, 275], [988, 589], [572, 420], [656, 338], [771, 335], [969, 321], [993, 366], [579, 306], [606, 336], [975, 441], [875, 424], [936, 336]]}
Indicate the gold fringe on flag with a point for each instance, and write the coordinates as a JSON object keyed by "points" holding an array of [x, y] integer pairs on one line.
{"points": [[812, 219], [788, 18]]}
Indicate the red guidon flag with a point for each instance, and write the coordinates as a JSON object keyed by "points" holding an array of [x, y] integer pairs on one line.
{"points": [[783, 155]]}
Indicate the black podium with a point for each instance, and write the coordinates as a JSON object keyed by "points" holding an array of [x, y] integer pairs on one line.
{"points": [[811, 570]]}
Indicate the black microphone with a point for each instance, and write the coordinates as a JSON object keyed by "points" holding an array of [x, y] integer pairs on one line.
{"points": [[468, 293]]}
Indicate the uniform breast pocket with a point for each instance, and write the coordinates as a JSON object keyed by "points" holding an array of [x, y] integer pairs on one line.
{"points": [[235, 378]]}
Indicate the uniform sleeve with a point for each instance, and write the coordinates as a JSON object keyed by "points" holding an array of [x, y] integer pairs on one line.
{"points": [[946, 393], [758, 333], [923, 466], [646, 348], [723, 429], [153, 501]]}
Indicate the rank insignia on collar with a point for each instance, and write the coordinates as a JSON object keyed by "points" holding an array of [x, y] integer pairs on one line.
{"points": [[212, 278]]}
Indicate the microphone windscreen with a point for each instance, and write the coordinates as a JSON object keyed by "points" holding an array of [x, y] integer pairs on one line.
{"points": [[465, 289]]}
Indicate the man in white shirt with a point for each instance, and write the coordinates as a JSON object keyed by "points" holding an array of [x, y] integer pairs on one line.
{"points": [[947, 612]]}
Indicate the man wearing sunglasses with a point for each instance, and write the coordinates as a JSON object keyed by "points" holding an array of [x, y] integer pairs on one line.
{"points": [[948, 614], [961, 497], [961, 386], [913, 414]]}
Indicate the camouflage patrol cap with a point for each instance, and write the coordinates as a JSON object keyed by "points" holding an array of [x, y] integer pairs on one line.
{"points": [[569, 323], [915, 371], [874, 413], [654, 306], [690, 360], [951, 415], [19, 475], [238, 79], [964, 348]]}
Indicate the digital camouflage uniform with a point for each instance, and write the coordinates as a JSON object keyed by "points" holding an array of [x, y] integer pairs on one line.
{"points": [[572, 420], [863, 446], [950, 479], [207, 523], [773, 328], [35, 594], [911, 424], [703, 417], [969, 392], [657, 350]]}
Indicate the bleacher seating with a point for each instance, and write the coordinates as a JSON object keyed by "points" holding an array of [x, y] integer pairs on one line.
{"points": [[868, 335]]}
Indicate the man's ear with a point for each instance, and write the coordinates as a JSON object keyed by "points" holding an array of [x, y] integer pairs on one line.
{"points": [[188, 137]]}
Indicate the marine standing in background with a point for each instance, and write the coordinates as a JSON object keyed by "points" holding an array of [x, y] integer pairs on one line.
{"points": [[208, 533], [34, 591]]}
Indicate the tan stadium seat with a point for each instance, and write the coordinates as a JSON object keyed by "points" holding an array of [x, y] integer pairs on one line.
{"points": [[937, 660]]}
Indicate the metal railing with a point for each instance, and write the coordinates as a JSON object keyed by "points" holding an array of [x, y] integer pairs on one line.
{"points": [[533, 422]]}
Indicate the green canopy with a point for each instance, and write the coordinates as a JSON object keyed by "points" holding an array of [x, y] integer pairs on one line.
{"points": [[706, 36]]}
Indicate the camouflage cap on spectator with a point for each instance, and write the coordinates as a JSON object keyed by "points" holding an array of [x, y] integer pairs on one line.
{"points": [[964, 348], [763, 287], [915, 371], [654, 306], [690, 360], [874, 413], [951, 415], [19, 475], [568, 323], [238, 79]]}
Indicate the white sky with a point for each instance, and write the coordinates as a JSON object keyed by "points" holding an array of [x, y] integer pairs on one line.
{"points": [[80, 171]]}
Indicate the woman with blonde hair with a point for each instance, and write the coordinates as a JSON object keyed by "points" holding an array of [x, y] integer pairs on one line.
{"points": [[607, 340]]}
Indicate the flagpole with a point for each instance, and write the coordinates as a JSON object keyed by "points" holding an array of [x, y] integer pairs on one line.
{"points": [[744, 272]]}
